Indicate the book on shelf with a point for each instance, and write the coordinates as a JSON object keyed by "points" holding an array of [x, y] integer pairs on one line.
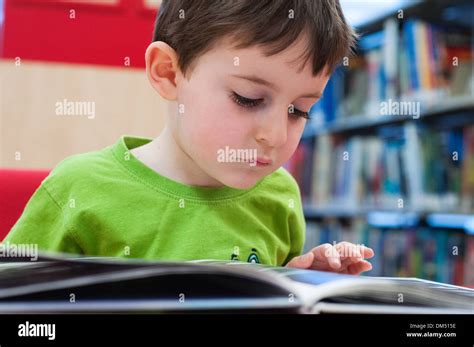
{"points": [[408, 166], [410, 60], [111, 285]]}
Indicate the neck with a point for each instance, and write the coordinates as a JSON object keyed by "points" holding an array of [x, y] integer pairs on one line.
{"points": [[165, 156]]}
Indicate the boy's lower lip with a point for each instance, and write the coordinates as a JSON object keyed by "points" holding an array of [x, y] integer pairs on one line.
{"points": [[258, 162]]}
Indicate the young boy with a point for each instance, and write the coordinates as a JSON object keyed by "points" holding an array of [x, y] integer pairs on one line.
{"points": [[240, 77]]}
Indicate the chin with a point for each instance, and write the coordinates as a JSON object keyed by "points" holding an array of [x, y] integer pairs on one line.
{"points": [[237, 181]]}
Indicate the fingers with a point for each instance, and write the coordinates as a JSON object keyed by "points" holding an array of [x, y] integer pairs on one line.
{"points": [[352, 257], [302, 262], [357, 268], [344, 257], [349, 251], [367, 252], [355, 252], [332, 255]]}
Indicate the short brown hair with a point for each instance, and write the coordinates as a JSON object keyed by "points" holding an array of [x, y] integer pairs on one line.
{"points": [[191, 27]]}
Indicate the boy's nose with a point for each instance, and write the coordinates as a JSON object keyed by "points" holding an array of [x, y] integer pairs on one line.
{"points": [[273, 129]]}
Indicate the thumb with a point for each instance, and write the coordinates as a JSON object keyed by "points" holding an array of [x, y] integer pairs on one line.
{"points": [[302, 262]]}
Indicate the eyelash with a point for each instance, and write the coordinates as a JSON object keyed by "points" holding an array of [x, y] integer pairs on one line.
{"points": [[250, 103]]}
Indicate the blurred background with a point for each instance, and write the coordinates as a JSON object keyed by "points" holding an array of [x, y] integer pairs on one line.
{"points": [[387, 159]]}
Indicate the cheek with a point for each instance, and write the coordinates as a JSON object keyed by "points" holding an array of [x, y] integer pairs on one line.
{"points": [[210, 125], [294, 136]]}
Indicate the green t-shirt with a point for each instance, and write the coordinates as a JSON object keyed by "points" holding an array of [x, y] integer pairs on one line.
{"points": [[108, 203]]}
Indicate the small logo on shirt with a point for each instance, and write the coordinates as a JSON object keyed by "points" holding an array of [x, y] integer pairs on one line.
{"points": [[252, 258]]}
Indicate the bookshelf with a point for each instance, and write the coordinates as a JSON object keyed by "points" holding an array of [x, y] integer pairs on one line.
{"points": [[400, 182], [459, 107]]}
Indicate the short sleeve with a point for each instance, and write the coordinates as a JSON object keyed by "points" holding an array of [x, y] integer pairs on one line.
{"points": [[42, 223]]}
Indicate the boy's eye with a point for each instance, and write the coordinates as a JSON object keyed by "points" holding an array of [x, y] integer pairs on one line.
{"points": [[245, 102], [299, 114], [250, 103]]}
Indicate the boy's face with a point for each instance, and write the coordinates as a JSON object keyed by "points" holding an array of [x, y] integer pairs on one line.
{"points": [[224, 109]]}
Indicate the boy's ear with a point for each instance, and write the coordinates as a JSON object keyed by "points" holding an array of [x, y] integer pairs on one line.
{"points": [[162, 68]]}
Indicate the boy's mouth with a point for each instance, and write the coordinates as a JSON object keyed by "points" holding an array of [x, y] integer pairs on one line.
{"points": [[264, 161], [261, 161]]}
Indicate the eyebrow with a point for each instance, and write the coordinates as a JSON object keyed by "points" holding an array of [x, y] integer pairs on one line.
{"points": [[261, 81]]}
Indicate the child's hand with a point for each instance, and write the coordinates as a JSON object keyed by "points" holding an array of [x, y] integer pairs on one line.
{"points": [[343, 257]]}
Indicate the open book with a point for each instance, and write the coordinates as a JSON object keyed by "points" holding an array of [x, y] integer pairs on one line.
{"points": [[65, 284]]}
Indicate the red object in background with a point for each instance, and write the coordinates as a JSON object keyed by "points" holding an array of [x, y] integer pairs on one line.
{"points": [[16, 188], [100, 33]]}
